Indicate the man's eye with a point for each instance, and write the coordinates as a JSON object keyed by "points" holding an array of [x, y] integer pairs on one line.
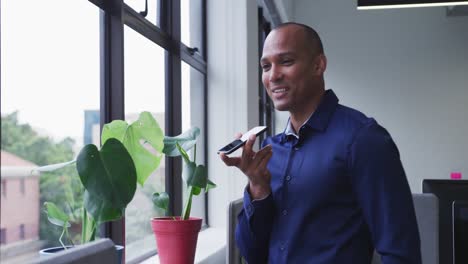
{"points": [[265, 67], [287, 61]]}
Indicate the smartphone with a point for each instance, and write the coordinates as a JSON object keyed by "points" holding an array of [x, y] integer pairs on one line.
{"points": [[234, 145]]}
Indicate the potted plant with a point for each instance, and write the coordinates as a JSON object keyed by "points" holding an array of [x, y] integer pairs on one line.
{"points": [[129, 154], [176, 237]]}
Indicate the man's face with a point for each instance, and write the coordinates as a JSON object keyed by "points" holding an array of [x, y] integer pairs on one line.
{"points": [[289, 69]]}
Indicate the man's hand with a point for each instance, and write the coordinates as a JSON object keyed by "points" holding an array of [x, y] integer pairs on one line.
{"points": [[254, 166]]}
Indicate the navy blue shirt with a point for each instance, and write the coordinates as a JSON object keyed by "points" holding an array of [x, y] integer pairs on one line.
{"points": [[338, 191]]}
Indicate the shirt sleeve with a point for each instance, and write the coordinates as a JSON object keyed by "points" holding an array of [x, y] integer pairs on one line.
{"points": [[254, 227], [383, 193]]}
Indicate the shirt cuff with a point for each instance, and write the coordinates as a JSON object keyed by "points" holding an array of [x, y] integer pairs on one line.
{"points": [[250, 206]]}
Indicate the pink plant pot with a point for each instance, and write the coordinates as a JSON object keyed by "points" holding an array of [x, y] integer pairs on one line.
{"points": [[176, 240]]}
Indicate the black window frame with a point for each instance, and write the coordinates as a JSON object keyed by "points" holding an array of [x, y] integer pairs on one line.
{"points": [[266, 107], [114, 15]]}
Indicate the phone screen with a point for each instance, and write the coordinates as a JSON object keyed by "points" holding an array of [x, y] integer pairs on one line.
{"points": [[232, 146]]}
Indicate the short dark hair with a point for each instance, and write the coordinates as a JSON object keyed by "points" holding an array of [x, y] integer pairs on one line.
{"points": [[310, 34]]}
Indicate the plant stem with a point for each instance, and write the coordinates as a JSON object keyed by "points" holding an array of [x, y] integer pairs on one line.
{"points": [[60, 239], [194, 152], [188, 205], [84, 224]]}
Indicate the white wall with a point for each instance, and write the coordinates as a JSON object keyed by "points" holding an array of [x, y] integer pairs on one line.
{"points": [[408, 68], [232, 93]]}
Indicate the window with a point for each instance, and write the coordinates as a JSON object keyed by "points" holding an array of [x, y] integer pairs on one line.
{"points": [[21, 232], [144, 91], [267, 111], [193, 105], [149, 12], [164, 72], [3, 236], [74, 68], [49, 80], [4, 188], [22, 186]]}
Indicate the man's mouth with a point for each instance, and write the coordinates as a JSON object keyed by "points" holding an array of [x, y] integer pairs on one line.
{"points": [[278, 90]]}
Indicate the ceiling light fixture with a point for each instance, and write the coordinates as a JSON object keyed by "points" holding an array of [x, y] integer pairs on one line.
{"points": [[387, 4]]}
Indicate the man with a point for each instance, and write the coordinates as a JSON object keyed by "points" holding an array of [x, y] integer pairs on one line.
{"points": [[331, 188]]}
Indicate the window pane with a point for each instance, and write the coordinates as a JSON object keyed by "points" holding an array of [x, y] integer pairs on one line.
{"points": [[139, 6], [144, 91], [193, 97], [191, 23], [49, 108]]}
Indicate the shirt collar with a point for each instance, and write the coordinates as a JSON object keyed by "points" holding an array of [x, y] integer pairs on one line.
{"points": [[320, 117]]}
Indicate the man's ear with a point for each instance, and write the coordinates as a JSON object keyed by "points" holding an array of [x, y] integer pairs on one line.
{"points": [[320, 64]]}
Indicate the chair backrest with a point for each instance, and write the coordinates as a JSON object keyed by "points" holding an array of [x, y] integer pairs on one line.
{"points": [[96, 252], [426, 206], [232, 255]]}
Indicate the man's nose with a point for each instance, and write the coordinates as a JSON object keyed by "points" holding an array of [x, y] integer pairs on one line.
{"points": [[275, 73]]}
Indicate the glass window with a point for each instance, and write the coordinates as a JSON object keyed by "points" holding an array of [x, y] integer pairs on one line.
{"points": [[139, 6], [4, 188], [193, 97], [144, 91], [191, 23], [49, 78], [3, 235]]}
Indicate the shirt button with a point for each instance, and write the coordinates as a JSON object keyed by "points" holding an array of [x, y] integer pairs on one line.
{"points": [[285, 212], [288, 178], [281, 248], [296, 148]]}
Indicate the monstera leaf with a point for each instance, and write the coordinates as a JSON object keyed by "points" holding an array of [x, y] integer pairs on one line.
{"points": [[56, 216], [108, 174], [193, 175], [100, 209], [186, 140], [137, 137]]}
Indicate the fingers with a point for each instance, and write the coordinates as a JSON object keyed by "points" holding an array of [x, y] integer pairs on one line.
{"points": [[230, 161], [238, 135], [247, 152], [263, 162]]}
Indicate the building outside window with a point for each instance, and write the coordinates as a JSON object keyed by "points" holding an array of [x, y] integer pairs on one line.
{"points": [[22, 186], [3, 236], [4, 188], [21, 232]]}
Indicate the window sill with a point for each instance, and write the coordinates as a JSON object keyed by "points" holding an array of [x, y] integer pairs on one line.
{"points": [[211, 247]]}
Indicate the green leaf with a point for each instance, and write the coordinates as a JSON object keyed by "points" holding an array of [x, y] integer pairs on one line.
{"points": [[88, 228], [186, 140], [108, 174], [115, 129], [184, 154], [139, 138], [101, 210], [196, 190], [56, 216], [187, 171], [199, 177], [209, 185], [161, 200]]}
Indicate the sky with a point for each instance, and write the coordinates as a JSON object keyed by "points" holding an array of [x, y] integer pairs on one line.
{"points": [[50, 64]]}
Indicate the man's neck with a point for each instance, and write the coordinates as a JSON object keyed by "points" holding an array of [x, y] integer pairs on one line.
{"points": [[299, 117]]}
